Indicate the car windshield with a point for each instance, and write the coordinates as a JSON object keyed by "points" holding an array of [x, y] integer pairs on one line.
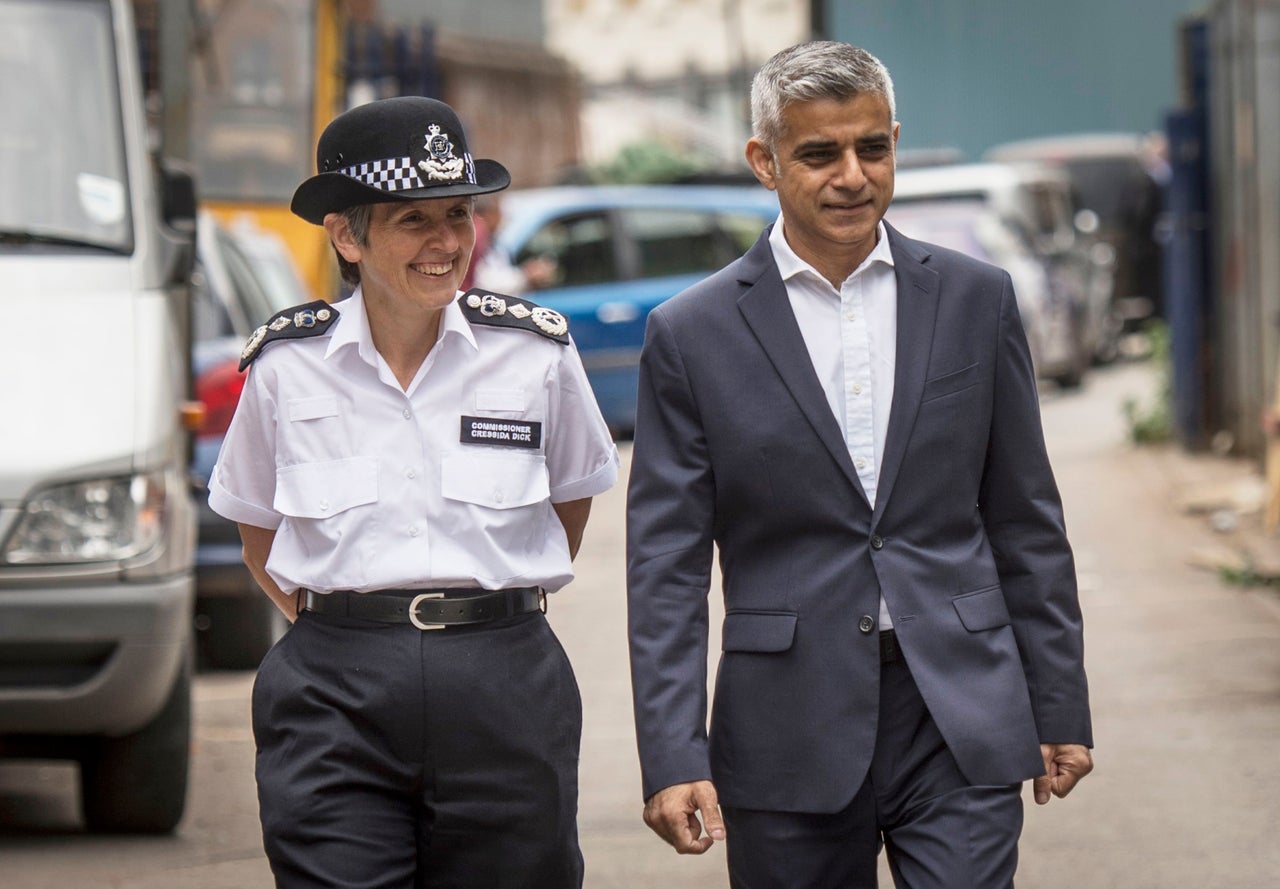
{"points": [[63, 180], [956, 224]]}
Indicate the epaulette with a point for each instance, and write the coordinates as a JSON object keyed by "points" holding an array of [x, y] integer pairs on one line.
{"points": [[300, 321], [498, 310]]}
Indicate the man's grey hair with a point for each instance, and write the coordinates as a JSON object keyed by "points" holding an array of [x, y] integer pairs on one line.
{"points": [[820, 69]]}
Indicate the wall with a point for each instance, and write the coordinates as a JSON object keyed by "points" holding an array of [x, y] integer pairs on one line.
{"points": [[972, 73]]}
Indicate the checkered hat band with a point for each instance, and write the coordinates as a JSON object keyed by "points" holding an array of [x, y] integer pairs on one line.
{"points": [[399, 174]]}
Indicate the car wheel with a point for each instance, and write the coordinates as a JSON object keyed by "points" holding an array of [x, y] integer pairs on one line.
{"points": [[235, 632], [138, 783]]}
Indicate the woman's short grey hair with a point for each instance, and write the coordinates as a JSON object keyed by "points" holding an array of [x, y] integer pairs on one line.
{"points": [[820, 69], [358, 222]]}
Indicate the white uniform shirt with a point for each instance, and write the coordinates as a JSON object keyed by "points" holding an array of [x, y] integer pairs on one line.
{"points": [[369, 486], [851, 335]]}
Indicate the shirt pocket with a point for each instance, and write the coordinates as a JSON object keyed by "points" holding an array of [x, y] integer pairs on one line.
{"points": [[314, 430], [497, 512], [325, 489], [495, 481], [500, 400]]}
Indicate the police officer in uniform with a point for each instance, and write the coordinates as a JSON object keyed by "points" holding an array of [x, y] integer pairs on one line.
{"points": [[411, 470]]}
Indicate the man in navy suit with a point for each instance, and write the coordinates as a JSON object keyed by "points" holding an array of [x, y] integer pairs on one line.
{"points": [[851, 417]]}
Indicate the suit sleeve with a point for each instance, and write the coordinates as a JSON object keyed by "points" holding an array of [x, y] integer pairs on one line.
{"points": [[1022, 512], [670, 514]]}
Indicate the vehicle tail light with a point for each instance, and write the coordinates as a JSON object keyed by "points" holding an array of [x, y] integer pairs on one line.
{"points": [[219, 388]]}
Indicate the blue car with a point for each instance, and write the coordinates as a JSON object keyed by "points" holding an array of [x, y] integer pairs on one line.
{"points": [[615, 252]]}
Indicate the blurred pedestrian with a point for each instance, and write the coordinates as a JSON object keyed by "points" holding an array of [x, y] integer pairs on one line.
{"points": [[851, 417], [493, 268], [412, 472]]}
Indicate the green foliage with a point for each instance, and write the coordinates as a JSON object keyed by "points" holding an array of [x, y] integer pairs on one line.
{"points": [[1246, 577], [647, 162], [1153, 423]]}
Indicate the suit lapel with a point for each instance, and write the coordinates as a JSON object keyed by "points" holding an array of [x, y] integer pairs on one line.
{"points": [[917, 312], [768, 313]]}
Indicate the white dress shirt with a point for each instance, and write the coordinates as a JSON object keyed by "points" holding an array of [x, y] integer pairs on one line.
{"points": [[851, 335], [370, 486]]}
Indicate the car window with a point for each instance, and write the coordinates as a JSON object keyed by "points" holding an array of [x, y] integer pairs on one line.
{"points": [[209, 318], [250, 294], [1052, 216], [742, 229], [953, 224], [674, 241], [581, 247]]}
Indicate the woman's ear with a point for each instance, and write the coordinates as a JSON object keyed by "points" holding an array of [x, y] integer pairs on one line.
{"points": [[339, 230]]}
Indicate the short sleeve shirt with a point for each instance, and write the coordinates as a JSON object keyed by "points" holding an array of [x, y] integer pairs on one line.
{"points": [[449, 483]]}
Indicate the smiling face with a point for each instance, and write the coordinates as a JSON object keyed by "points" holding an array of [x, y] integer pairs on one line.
{"points": [[833, 171], [416, 252]]}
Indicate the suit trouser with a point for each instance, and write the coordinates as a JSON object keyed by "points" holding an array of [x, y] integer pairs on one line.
{"points": [[938, 831], [392, 757]]}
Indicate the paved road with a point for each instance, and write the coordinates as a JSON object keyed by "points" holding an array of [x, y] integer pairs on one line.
{"points": [[1186, 683]]}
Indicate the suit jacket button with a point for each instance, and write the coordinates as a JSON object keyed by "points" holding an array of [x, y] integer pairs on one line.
{"points": [[866, 624], [877, 542]]}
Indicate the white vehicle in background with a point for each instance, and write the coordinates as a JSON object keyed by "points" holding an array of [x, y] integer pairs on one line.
{"points": [[1036, 203], [974, 229], [97, 528]]}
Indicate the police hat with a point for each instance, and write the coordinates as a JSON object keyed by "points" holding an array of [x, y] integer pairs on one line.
{"points": [[402, 149]]}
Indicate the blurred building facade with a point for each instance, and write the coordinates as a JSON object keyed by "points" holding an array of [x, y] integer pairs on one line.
{"points": [[521, 102], [972, 75], [676, 72]]}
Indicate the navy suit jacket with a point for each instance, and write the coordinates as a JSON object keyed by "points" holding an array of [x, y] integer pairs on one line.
{"points": [[736, 445]]}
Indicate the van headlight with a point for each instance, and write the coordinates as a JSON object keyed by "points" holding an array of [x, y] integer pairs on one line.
{"points": [[101, 520]]}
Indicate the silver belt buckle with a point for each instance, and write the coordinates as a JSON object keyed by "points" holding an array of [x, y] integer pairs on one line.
{"points": [[413, 611]]}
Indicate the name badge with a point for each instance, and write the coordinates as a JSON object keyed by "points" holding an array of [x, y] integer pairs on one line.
{"points": [[502, 433]]}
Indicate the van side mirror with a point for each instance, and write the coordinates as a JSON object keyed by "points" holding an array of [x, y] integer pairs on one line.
{"points": [[178, 202]]}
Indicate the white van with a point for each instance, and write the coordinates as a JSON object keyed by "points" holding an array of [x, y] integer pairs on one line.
{"points": [[96, 522]]}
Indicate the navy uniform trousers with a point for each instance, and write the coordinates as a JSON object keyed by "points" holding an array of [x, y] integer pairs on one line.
{"points": [[939, 831], [393, 757]]}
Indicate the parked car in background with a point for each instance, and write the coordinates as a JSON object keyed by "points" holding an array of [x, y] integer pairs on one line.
{"points": [[618, 251], [972, 227], [244, 275], [1036, 202], [1116, 176]]}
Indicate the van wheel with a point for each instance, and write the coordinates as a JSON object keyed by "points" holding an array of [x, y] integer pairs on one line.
{"points": [[138, 783], [235, 632]]}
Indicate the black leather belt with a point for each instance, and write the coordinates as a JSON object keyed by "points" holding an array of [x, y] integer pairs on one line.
{"points": [[890, 653], [427, 609]]}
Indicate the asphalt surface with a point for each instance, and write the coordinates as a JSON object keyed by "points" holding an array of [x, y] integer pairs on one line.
{"points": [[1184, 668]]}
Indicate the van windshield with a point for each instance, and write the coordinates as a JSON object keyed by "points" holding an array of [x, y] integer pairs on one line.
{"points": [[63, 180]]}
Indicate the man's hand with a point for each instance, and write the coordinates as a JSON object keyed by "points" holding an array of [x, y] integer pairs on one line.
{"points": [[672, 813], [1064, 766]]}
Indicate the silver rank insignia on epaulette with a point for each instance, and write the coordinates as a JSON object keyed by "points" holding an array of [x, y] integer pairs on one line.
{"points": [[295, 323], [511, 311]]}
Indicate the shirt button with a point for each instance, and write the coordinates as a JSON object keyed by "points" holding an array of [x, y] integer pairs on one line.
{"points": [[497, 496], [407, 413], [413, 530], [860, 463], [877, 542], [324, 505], [866, 624], [856, 389], [409, 473], [852, 316]]}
